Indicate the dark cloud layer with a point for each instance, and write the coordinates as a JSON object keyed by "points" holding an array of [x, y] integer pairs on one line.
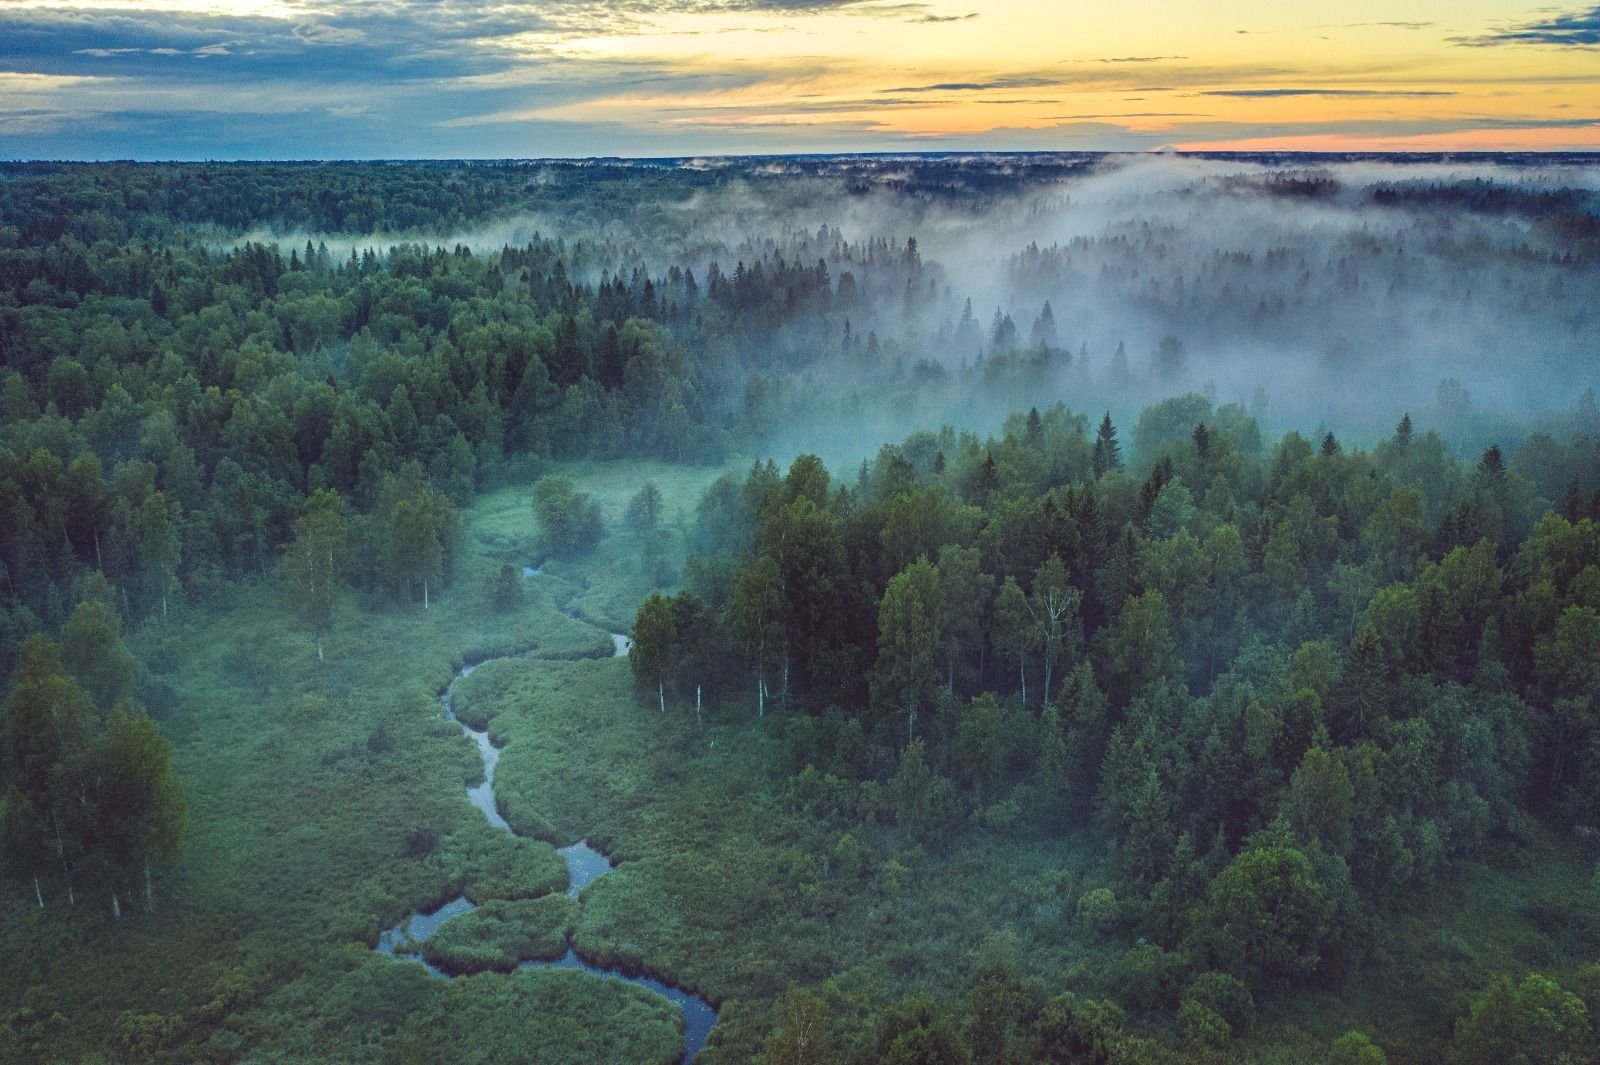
{"points": [[1270, 93], [1579, 29], [978, 86]]}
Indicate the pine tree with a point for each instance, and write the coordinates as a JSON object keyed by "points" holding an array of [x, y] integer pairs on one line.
{"points": [[1363, 684], [1033, 434], [986, 481], [1107, 452]]}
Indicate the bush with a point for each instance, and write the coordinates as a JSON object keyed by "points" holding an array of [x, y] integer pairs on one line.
{"points": [[505, 591], [1202, 1026], [1148, 977], [1354, 1048], [1226, 996], [1097, 910], [1528, 1023]]}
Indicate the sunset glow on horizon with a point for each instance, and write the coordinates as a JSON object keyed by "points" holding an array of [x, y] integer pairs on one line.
{"points": [[403, 78]]}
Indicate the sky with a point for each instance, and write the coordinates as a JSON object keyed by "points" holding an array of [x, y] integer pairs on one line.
{"points": [[346, 79]]}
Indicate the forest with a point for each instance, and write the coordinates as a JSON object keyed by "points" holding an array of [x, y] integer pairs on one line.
{"points": [[924, 609]]}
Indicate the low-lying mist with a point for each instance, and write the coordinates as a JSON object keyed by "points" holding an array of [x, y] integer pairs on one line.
{"points": [[1319, 292]]}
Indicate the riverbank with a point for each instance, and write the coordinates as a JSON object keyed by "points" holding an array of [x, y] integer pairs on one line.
{"points": [[537, 947]]}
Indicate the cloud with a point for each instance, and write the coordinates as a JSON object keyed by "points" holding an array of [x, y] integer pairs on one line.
{"points": [[1390, 25], [1131, 114], [1019, 82], [187, 78], [316, 33], [220, 48], [1579, 29], [1270, 93]]}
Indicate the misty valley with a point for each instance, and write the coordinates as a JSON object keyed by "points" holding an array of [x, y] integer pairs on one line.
{"points": [[928, 608]]}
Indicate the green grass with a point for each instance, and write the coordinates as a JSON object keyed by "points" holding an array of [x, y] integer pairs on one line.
{"points": [[499, 934]]}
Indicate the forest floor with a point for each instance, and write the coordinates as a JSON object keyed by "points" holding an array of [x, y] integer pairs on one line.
{"points": [[327, 802]]}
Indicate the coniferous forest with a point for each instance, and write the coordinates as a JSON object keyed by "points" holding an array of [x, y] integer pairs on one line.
{"points": [[927, 609]]}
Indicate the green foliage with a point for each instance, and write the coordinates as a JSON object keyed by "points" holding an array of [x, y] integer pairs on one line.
{"points": [[655, 651], [91, 801], [497, 935], [505, 591], [1319, 801], [517, 869], [568, 519], [582, 1018], [314, 561], [644, 510], [1354, 1048], [418, 530], [1097, 910], [800, 1021], [909, 623], [1265, 916], [1528, 1022], [1225, 997], [919, 1031], [93, 652]]}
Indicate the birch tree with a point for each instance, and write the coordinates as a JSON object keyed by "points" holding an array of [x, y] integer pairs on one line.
{"points": [[1054, 608], [756, 617], [909, 625], [314, 559], [655, 646], [1016, 631], [159, 548]]}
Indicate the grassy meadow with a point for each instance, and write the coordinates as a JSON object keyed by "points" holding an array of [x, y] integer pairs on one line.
{"points": [[326, 802]]}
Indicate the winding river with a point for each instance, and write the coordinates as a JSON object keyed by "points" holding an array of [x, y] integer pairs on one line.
{"points": [[584, 866]]}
